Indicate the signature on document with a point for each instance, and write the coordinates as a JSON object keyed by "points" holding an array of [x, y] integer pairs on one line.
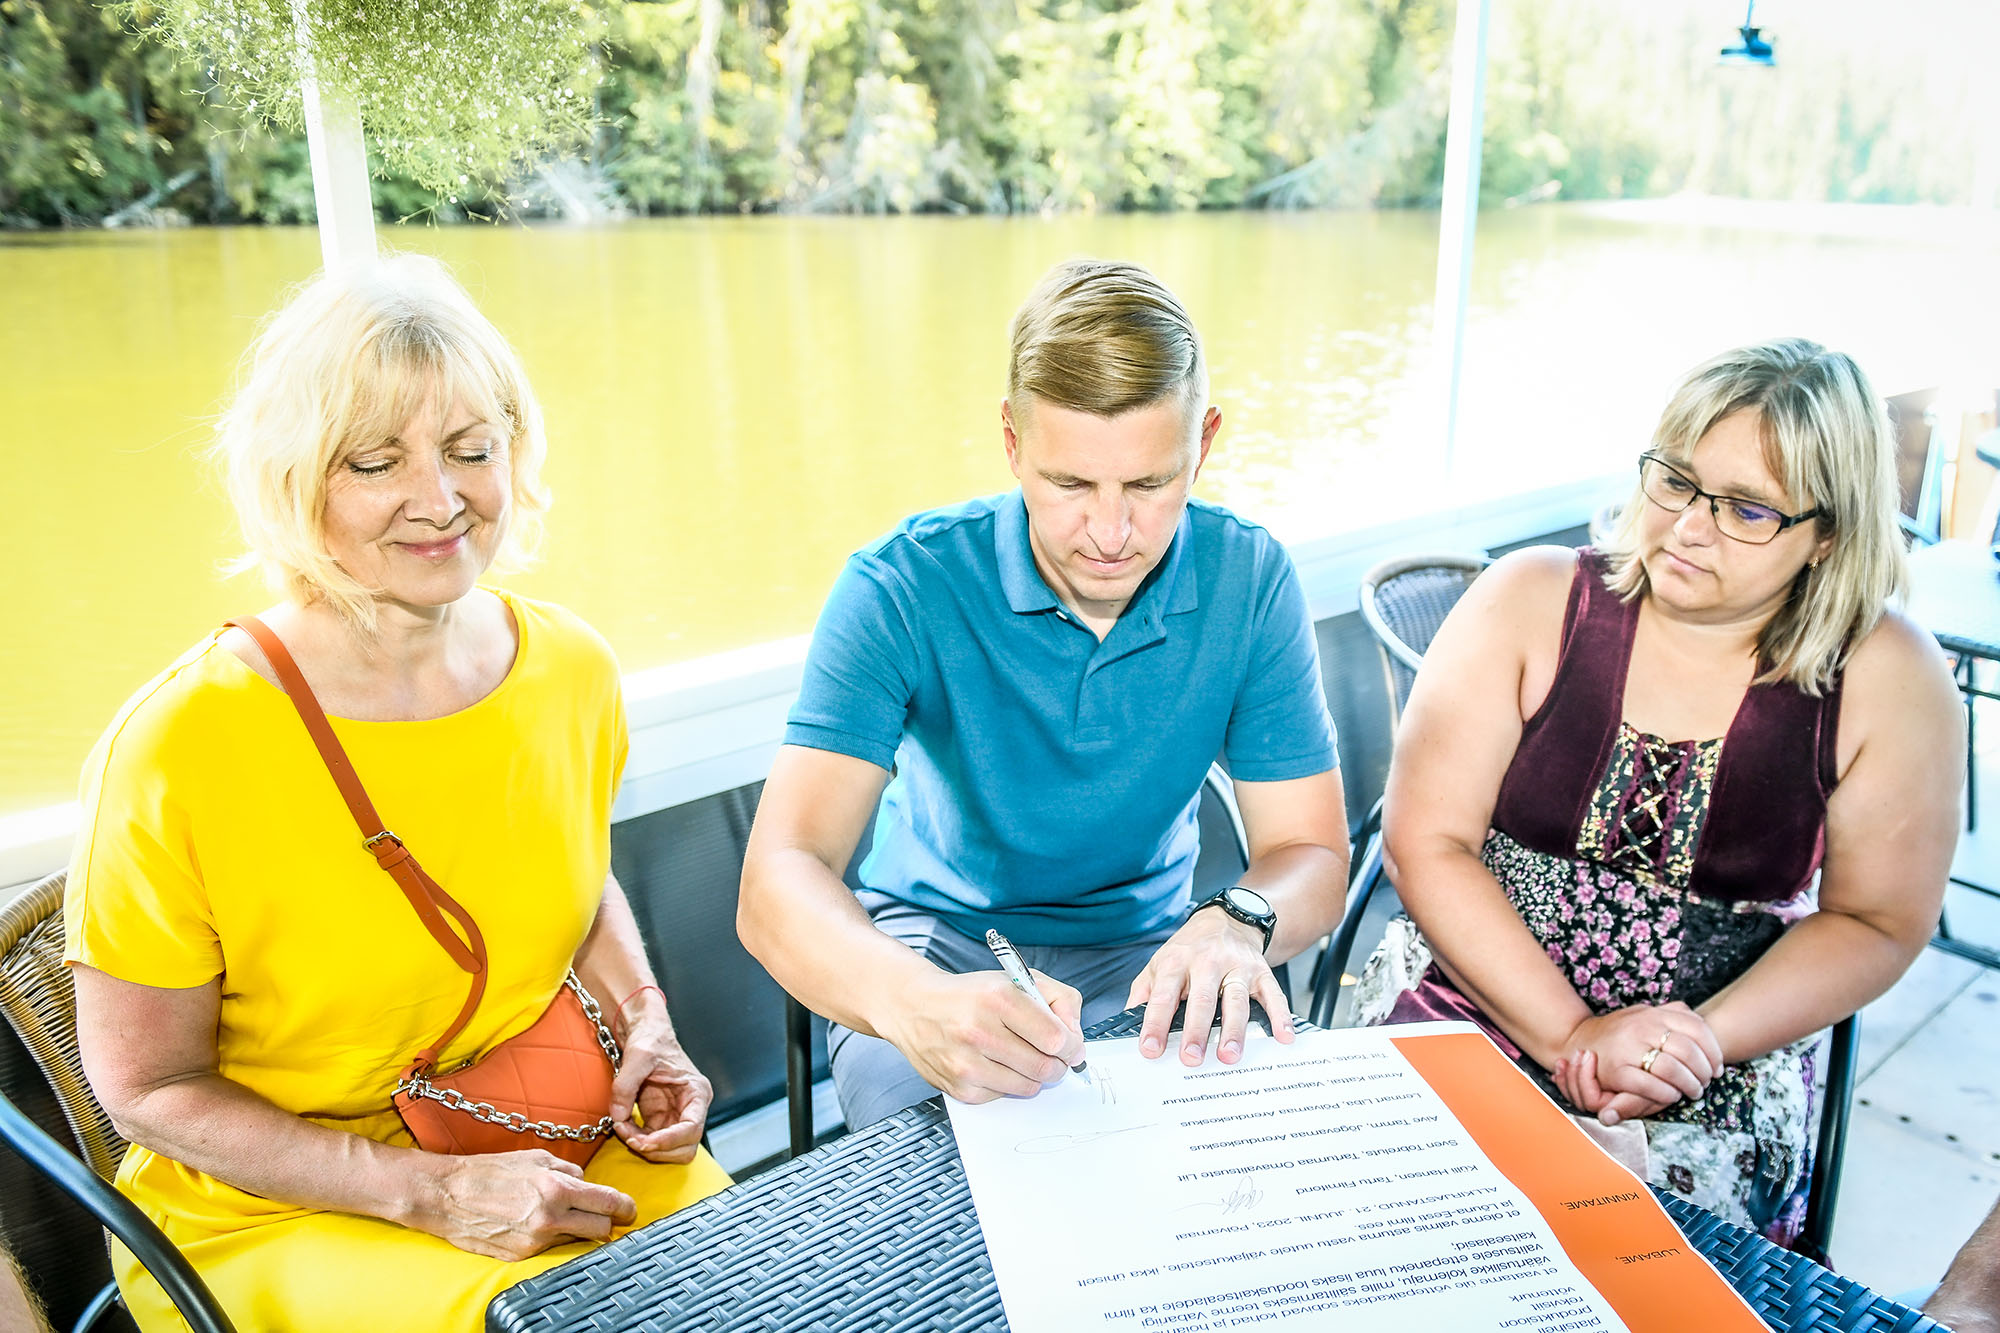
{"points": [[1242, 1197], [1064, 1142]]}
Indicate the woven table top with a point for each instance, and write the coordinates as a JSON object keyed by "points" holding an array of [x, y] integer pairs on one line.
{"points": [[876, 1231]]}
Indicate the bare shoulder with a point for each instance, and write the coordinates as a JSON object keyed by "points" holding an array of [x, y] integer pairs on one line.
{"points": [[1534, 571], [1898, 657], [1524, 593], [1897, 686], [1497, 649]]}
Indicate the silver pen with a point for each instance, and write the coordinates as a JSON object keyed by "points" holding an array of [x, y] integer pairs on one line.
{"points": [[1010, 962]]}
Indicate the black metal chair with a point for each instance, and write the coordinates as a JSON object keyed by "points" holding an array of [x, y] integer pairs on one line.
{"points": [[1404, 602], [1225, 853], [39, 1003]]}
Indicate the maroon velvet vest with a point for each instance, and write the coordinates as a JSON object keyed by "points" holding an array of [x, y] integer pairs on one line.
{"points": [[1766, 824]]}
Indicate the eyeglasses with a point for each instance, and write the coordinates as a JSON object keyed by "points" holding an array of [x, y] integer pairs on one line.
{"points": [[1739, 520]]}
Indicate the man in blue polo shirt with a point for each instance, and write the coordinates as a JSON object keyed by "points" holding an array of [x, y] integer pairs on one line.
{"points": [[1049, 673]]}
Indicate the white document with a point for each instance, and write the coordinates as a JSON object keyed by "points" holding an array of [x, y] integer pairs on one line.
{"points": [[1318, 1185]]}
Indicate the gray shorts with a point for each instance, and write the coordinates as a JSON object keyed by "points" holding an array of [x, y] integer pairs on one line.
{"points": [[872, 1077]]}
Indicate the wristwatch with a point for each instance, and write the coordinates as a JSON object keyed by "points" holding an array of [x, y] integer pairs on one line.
{"points": [[1246, 905]]}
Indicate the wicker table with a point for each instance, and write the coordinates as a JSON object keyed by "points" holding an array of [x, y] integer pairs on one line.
{"points": [[875, 1232], [1955, 594]]}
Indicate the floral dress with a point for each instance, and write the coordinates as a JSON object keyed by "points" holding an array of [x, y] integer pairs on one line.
{"points": [[1623, 914]]}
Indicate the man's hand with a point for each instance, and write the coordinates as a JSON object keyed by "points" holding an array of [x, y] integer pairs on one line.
{"points": [[976, 1038], [1968, 1300], [1213, 958], [656, 1078]]}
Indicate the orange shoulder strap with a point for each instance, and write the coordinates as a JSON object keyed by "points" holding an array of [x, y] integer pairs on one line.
{"points": [[426, 896]]}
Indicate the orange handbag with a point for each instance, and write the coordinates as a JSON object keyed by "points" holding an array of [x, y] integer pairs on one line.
{"points": [[548, 1087]]}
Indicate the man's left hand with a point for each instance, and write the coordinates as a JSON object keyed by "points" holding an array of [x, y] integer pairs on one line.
{"points": [[1212, 960], [656, 1078]]}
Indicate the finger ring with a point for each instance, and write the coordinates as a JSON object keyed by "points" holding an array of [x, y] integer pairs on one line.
{"points": [[1646, 1060]]}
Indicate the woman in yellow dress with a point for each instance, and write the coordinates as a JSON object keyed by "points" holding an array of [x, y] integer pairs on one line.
{"points": [[249, 982]]}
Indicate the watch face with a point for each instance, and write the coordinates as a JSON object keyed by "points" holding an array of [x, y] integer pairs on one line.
{"points": [[1249, 900]]}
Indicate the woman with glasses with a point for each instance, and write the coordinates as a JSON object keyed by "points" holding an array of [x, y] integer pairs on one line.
{"points": [[1662, 812]]}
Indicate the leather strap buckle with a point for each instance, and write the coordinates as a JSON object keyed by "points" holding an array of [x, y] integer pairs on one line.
{"points": [[369, 844]]}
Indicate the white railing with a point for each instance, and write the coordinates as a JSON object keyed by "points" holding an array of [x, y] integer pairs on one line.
{"points": [[713, 724]]}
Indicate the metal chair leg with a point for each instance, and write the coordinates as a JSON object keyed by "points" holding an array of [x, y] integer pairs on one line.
{"points": [[1965, 685], [100, 1308], [799, 1074], [1361, 888], [1843, 1049]]}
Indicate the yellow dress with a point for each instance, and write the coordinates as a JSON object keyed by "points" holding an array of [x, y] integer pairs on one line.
{"points": [[213, 843]]}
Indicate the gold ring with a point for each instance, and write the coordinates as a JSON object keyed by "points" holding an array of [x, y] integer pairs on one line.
{"points": [[1646, 1060]]}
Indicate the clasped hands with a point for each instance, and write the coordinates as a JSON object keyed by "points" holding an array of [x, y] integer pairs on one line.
{"points": [[1637, 1061], [515, 1204]]}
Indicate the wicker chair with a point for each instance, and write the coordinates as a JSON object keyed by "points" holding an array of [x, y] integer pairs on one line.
{"points": [[1404, 602], [39, 1003]]}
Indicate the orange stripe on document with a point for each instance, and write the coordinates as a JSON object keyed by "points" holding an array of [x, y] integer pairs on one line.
{"points": [[1630, 1251]]}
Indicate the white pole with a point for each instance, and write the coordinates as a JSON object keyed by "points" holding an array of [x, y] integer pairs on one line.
{"points": [[1460, 214], [339, 166]]}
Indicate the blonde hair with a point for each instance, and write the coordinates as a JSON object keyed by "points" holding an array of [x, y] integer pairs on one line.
{"points": [[1104, 338], [346, 363], [1827, 438]]}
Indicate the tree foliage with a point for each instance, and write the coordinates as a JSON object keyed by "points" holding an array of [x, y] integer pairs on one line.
{"points": [[999, 106]]}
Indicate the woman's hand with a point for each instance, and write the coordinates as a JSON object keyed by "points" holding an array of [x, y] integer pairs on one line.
{"points": [[657, 1079], [510, 1205], [1636, 1061]]}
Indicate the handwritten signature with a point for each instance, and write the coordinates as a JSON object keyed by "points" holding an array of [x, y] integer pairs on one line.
{"points": [[1064, 1142], [1242, 1197]]}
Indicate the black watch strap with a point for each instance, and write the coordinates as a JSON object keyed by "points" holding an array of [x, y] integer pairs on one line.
{"points": [[1230, 900]]}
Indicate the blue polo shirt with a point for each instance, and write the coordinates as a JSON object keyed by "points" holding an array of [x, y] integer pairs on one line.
{"points": [[1046, 783]]}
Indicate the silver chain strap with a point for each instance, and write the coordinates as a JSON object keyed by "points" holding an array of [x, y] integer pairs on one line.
{"points": [[515, 1121]]}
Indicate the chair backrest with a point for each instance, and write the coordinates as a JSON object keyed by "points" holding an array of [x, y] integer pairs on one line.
{"points": [[1403, 602], [1921, 446], [38, 1000], [1605, 521], [681, 868], [57, 1242]]}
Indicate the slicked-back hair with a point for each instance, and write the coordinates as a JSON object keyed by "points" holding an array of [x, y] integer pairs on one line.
{"points": [[1106, 338]]}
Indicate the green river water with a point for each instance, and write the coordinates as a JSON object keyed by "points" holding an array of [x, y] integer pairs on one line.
{"points": [[735, 404]]}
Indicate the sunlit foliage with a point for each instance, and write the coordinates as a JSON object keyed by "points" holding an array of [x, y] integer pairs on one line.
{"points": [[521, 107]]}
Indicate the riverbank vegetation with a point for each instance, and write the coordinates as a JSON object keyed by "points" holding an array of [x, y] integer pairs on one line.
{"points": [[1040, 106]]}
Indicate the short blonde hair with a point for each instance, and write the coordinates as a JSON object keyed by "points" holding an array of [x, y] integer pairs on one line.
{"points": [[1827, 438], [1104, 338], [346, 363]]}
